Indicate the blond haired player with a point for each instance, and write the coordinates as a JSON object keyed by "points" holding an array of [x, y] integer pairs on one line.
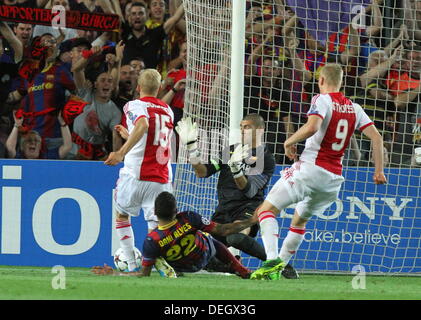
{"points": [[146, 153], [314, 181]]}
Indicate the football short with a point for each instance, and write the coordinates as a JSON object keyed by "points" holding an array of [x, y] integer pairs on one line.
{"points": [[311, 187], [131, 195]]}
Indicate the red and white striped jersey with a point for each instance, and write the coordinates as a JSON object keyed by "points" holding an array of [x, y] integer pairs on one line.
{"points": [[340, 119], [150, 157]]}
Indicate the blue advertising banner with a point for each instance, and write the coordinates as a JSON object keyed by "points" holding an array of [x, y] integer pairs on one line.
{"points": [[61, 213]]}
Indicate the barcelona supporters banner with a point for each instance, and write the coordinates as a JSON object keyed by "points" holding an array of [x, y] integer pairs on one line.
{"points": [[60, 18]]}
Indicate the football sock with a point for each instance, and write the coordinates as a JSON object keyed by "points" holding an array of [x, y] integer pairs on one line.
{"points": [[270, 233], [125, 234], [291, 243], [247, 244], [223, 254]]}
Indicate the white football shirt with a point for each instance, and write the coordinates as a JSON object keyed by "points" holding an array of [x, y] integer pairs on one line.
{"points": [[150, 158], [340, 119]]}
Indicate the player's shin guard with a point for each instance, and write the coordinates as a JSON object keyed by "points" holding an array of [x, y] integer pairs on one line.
{"points": [[223, 254], [125, 234], [247, 244], [270, 233], [291, 243]]}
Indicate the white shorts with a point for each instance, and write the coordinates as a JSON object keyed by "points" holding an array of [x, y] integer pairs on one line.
{"points": [[313, 188], [131, 195]]}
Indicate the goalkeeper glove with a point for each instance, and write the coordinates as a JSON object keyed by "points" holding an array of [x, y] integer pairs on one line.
{"points": [[236, 161], [187, 132]]}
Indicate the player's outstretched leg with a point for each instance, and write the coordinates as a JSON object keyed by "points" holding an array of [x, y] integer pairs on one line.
{"points": [[225, 256]]}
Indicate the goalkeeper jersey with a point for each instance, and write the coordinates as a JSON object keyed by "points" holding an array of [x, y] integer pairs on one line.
{"points": [[258, 168]]}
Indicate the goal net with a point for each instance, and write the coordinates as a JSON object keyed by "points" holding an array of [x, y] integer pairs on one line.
{"points": [[286, 44]]}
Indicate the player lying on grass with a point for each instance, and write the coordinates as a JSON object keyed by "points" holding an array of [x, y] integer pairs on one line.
{"points": [[182, 239]]}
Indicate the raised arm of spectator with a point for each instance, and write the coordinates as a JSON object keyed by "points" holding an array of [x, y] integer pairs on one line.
{"points": [[78, 68], [67, 138], [377, 20], [410, 21], [106, 6], [353, 48], [180, 85], [289, 26], [115, 5], [181, 24], [253, 26], [13, 41], [172, 21], [251, 65], [115, 70], [403, 35], [101, 40], [381, 69], [402, 99], [291, 43], [12, 139]]}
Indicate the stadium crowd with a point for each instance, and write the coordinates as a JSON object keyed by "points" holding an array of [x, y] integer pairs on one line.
{"points": [[63, 90]]}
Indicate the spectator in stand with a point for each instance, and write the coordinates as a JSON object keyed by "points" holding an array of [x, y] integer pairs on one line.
{"points": [[8, 71], [11, 55], [96, 123], [24, 33], [126, 86], [46, 96], [412, 18], [308, 58], [405, 86], [174, 85], [173, 89], [171, 44], [376, 99], [8, 64], [31, 143], [138, 65], [144, 42], [267, 86], [14, 42]]}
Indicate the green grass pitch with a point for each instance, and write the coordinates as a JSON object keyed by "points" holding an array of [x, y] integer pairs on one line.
{"points": [[34, 283]]}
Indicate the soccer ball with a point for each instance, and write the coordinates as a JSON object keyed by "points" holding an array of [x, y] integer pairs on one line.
{"points": [[120, 260]]}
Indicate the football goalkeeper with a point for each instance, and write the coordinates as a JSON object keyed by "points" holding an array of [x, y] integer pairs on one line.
{"points": [[242, 181]]}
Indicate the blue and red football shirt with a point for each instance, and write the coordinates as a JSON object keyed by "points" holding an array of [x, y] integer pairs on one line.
{"points": [[182, 243], [46, 95]]}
